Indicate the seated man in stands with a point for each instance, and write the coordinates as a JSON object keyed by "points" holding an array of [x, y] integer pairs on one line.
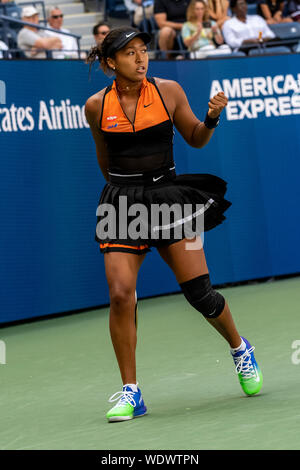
{"points": [[32, 40], [272, 11], [170, 16], [69, 44], [243, 29]]}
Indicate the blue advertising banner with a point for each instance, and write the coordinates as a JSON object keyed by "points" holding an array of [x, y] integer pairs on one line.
{"points": [[51, 182]]}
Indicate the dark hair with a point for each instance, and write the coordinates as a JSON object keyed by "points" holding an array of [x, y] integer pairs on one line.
{"points": [[95, 28], [233, 4], [100, 52]]}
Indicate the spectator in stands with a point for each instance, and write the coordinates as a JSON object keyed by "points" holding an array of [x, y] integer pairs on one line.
{"points": [[170, 16], [69, 49], [100, 30], [293, 8], [200, 35], [218, 11], [244, 29], [32, 40], [137, 8], [272, 10]]}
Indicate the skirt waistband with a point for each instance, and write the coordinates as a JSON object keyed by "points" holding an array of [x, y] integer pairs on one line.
{"points": [[143, 179]]}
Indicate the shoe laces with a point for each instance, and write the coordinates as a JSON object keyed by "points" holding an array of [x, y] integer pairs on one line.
{"points": [[244, 364], [124, 396]]}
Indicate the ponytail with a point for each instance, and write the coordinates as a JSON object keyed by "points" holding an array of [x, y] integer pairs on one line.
{"points": [[96, 54]]}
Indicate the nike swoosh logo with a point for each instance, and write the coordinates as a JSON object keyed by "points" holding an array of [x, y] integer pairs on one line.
{"points": [[146, 105], [156, 179], [128, 35]]}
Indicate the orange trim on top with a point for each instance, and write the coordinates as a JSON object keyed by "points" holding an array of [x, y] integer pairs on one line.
{"points": [[112, 245], [144, 84], [150, 110]]}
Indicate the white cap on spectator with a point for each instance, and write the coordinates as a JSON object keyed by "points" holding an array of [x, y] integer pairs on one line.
{"points": [[29, 11]]}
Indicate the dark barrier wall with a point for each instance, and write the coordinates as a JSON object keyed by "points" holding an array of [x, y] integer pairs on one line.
{"points": [[51, 183]]}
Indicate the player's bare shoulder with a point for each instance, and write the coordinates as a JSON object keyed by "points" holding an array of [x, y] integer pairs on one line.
{"points": [[167, 85], [93, 104], [170, 90]]}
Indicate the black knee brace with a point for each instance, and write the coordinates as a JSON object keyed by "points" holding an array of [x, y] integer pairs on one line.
{"points": [[200, 294]]}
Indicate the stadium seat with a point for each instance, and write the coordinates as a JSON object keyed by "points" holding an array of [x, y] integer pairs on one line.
{"points": [[154, 32], [269, 50], [10, 39], [13, 10], [286, 30], [181, 45], [9, 36], [116, 9]]}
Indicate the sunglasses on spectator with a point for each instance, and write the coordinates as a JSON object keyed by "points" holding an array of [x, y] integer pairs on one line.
{"points": [[55, 17]]}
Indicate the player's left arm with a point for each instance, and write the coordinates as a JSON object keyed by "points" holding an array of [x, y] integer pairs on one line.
{"points": [[195, 132]]}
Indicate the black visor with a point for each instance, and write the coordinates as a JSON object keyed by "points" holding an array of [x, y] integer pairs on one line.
{"points": [[124, 38]]}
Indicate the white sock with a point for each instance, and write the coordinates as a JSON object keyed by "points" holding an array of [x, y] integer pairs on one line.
{"points": [[133, 387], [241, 347]]}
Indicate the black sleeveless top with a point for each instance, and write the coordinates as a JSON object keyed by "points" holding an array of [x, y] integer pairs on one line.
{"points": [[146, 144]]}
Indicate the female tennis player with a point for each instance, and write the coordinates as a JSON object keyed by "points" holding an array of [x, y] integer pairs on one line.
{"points": [[132, 124]]}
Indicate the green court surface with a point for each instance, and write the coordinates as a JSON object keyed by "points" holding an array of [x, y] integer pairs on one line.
{"points": [[60, 373]]}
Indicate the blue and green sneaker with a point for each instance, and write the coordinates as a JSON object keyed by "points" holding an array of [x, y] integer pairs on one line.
{"points": [[246, 367], [130, 405]]}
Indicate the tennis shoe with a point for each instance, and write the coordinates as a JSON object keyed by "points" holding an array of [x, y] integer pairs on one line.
{"points": [[130, 405], [247, 369]]}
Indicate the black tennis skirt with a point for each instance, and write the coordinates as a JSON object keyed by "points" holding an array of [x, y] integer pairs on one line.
{"points": [[136, 212]]}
